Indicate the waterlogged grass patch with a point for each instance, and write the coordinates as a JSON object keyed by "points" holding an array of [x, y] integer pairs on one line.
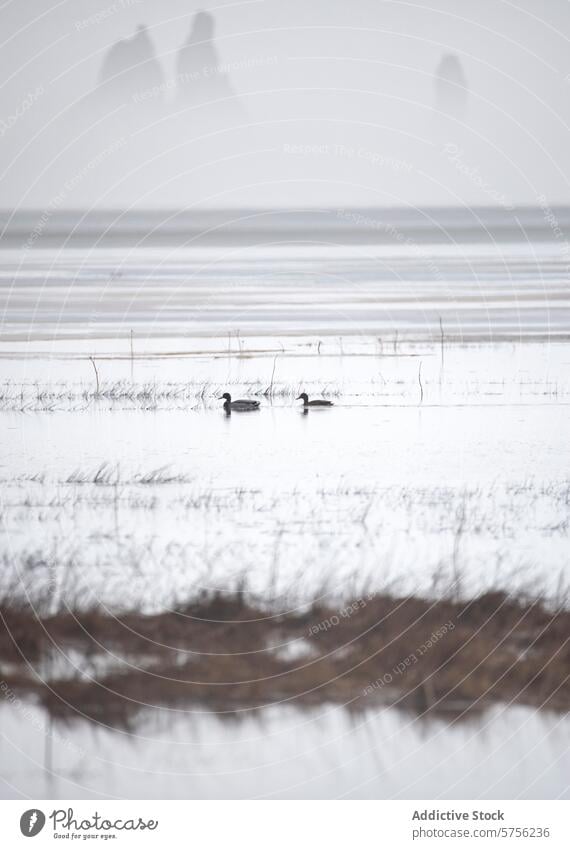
{"points": [[226, 653]]}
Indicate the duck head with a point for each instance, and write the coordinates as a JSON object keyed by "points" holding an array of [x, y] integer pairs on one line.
{"points": [[303, 397], [226, 397]]}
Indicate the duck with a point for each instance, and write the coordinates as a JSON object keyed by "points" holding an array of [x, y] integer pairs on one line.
{"points": [[316, 403], [239, 406]]}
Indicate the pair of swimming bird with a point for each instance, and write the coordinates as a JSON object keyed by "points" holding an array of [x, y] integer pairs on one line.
{"points": [[245, 406]]}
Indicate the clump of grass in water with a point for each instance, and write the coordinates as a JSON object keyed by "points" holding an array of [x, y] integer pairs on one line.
{"points": [[227, 652], [49, 398], [161, 476], [104, 475], [108, 475]]}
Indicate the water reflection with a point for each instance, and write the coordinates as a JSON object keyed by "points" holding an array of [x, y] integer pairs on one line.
{"points": [[284, 753]]}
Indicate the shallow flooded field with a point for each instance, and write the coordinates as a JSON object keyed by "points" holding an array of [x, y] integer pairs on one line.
{"points": [[433, 467], [441, 471]]}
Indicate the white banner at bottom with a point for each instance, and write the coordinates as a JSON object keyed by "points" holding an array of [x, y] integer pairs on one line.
{"points": [[286, 824]]}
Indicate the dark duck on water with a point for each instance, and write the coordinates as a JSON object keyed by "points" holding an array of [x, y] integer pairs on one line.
{"points": [[318, 402], [240, 406]]}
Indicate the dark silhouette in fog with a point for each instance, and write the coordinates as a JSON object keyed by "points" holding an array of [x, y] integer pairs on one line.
{"points": [[200, 74], [451, 90], [130, 68]]}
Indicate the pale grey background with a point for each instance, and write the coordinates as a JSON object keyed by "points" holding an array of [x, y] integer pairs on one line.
{"points": [[360, 75]]}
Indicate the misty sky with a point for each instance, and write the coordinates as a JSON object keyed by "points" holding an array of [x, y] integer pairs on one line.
{"points": [[265, 103]]}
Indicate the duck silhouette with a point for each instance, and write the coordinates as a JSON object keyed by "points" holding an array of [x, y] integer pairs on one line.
{"points": [[318, 402], [240, 406]]}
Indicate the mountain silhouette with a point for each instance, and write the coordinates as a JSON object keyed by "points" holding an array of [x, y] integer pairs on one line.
{"points": [[200, 75], [451, 91], [130, 68]]}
